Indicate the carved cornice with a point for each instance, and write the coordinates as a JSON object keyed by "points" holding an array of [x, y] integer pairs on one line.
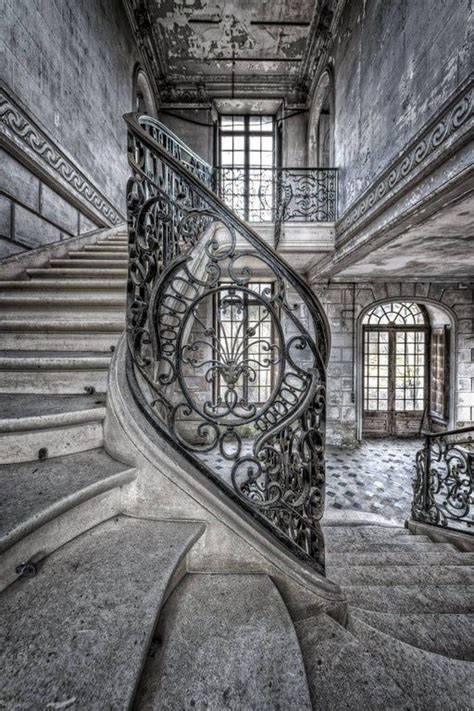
{"points": [[440, 138], [22, 134]]}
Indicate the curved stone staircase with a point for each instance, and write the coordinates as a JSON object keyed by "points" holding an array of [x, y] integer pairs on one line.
{"points": [[127, 610]]}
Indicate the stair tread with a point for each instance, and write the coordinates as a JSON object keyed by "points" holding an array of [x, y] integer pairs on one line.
{"points": [[412, 598], [58, 324], [16, 301], [391, 574], [81, 272], [449, 634], [343, 675], [228, 634], [433, 681], [370, 533], [404, 543], [440, 553], [41, 284], [42, 359], [19, 410], [93, 607], [47, 488]]}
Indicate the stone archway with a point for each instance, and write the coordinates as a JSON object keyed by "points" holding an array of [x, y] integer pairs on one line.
{"points": [[143, 97], [434, 310], [323, 99]]}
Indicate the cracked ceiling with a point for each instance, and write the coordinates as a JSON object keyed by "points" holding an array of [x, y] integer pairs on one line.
{"points": [[197, 50]]}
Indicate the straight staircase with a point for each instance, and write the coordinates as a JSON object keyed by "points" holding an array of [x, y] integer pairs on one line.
{"points": [[106, 606]]}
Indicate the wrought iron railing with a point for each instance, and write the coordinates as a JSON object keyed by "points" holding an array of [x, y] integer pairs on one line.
{"points": [[179, 150], [212, 312], [444, 487], [279, 194]]}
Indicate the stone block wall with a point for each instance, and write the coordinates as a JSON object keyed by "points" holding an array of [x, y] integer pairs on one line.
{"points": [[345, 360], [66, 80]]}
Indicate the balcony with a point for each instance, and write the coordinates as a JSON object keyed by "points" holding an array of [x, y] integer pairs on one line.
{"points": [[293, 209]]}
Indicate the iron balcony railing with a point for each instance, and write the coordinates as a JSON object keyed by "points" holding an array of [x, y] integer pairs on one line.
{"points": [[444, 487], [203, 323], [258, 194], [279, 195]]}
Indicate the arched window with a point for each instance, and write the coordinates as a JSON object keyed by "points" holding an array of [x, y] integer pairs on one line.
{"points": [[143, 98], [321, 123], [395, 314], [395, 340]]}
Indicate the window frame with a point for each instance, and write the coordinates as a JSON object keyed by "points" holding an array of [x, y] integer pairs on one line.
{"points": [[247, 133]]}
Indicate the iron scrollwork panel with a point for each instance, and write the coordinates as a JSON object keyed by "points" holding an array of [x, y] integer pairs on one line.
{"points": [[201, 334], [443, 487]]}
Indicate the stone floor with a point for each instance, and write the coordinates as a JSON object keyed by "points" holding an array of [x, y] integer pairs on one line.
{"points": [[376, 477]]}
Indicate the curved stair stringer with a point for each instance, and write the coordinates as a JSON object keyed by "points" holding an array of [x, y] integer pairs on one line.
{"points": [[169, 487]]}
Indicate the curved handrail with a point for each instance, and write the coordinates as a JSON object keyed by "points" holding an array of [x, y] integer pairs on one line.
{"points": [[158, 130], [448, 433], [133, 122], [189, 256]]}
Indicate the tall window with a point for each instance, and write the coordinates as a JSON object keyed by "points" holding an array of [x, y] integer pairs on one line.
{"points": [[247, 157], [395, 350], [244, 329]]}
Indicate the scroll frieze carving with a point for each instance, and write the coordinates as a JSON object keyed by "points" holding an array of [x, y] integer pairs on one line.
{"points": [[453, 119], [15, 121]]}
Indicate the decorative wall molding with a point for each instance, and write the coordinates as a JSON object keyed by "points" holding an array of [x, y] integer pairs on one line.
{"points": [[449, 128], [21, 134]]}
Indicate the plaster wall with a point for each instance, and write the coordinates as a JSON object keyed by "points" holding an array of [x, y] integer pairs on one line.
{"points": [[194, 127], [70, 64], [395, 64], [345, 358]]}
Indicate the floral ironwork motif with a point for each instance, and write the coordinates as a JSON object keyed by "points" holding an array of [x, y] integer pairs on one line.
{"points": [[444, 487], [193, 265]]}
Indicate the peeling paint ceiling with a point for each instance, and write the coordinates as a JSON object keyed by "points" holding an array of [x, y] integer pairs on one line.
{"points": [[220, 47], [441, 247]]}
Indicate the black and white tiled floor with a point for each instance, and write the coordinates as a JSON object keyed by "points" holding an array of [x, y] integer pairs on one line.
{"points": [[375, 478]]}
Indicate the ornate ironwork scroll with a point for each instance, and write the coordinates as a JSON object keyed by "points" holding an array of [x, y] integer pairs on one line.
{"points": [[280, 194], [444, 487], [227, 346]]}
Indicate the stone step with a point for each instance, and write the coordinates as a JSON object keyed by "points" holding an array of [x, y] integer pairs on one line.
{"points": [[105, 264], [415, 543], [433, 681], [106, 247], [39, 285], [338, 536], [30, 334], [61, 424], [405, 599], [224, 642], [60, 498], [113, 255], [440, 554], [401, 575], [77, 634], [86, 301], [53, 372], [343, 675], [109, 241], [75, 273], [449, 635]]}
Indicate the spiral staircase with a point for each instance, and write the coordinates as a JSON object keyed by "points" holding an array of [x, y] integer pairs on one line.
{"points": [[163, 544]]}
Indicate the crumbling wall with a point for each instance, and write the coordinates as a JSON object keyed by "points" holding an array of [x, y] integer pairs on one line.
{"points": [[395, 64]]}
